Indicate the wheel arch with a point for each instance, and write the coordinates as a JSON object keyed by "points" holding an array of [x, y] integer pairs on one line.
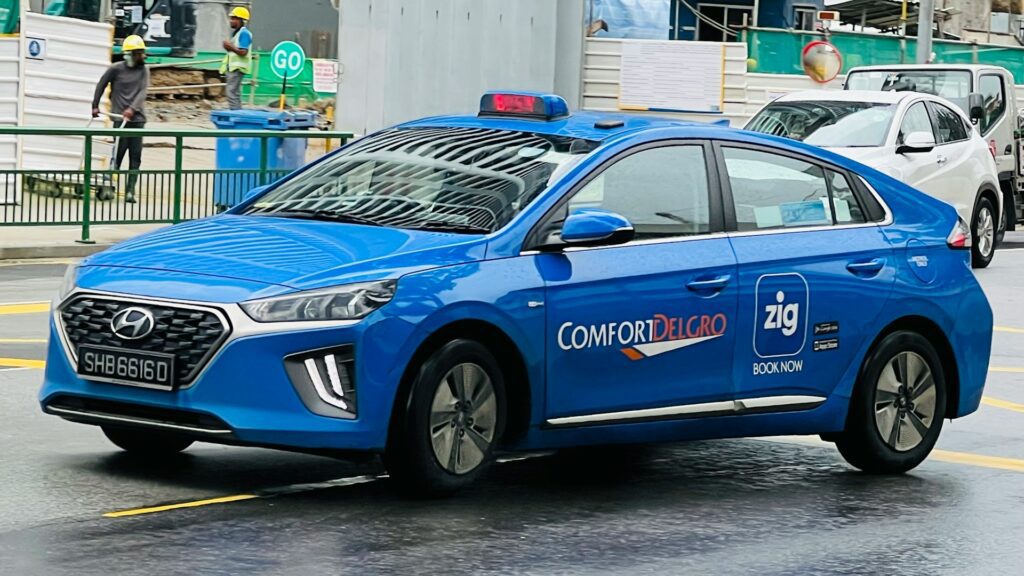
{"points": [[505, 350], [990, 191], [937, 338]]}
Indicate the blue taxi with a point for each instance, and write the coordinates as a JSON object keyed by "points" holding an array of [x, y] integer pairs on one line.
{"points": [[526, 279]]}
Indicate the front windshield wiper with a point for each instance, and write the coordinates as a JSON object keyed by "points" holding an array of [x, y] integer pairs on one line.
{"points": [[441, 226], [321, 214]]}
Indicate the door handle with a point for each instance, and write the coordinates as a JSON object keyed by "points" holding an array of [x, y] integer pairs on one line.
{"points": [[712, 285], [941, 159], [866, 267]]}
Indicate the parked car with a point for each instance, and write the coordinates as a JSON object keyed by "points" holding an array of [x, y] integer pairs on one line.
{"points": [[985, 93], [527, 279], [919, 139]]}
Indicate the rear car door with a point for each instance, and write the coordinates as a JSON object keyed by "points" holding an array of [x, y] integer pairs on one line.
{"points": [[646, 324], [814, 271]]}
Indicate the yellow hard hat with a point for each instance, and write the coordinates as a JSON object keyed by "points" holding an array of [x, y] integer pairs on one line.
{"points": [[132, 43], [240, 12]]}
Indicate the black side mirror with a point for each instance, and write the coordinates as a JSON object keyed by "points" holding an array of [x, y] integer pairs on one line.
{"points": [[976, 106]]}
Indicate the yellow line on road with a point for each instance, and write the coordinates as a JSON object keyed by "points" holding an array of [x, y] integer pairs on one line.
{"points": [[1009, 330], [1008, 369], [997, 403], [36, 262], [22, 363], [193, 504], [24, 308], [1012, 464], [22, 340]]}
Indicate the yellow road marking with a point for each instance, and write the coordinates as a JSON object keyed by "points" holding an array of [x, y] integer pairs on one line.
{"points": [[1009, 369], [25, 308], [193, 504], [36, 262], [997, 462], [22, 340], [1009, 330], [22, 363], [997, 403]]}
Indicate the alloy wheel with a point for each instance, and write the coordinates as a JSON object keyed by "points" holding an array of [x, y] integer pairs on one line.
{"points": [[986, 231], [463, 418], [905, 397]]}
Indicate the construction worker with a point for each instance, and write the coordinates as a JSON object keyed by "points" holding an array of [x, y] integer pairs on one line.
{"points": [[237, 62], [128, 81]]}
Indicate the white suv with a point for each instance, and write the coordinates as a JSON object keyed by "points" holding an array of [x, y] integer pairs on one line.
{"points": [[921, 139]]}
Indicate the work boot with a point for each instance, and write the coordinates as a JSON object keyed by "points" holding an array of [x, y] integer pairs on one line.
{"points": [[129, 197]]}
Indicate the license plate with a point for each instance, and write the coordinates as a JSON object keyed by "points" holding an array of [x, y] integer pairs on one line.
{"points": [[132, 367]]}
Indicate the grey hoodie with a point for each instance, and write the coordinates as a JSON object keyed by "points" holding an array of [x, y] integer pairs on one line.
{"points": [[128, 86]]}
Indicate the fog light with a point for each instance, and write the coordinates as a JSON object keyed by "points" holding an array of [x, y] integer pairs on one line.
{"points": [[325, 380]]}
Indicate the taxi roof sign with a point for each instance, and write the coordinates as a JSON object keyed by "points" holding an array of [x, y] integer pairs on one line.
{"points": [[532, 105]]}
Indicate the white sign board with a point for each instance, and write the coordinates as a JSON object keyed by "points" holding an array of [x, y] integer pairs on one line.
{"points": [[672, 76], [325, 76], [35, 48]]}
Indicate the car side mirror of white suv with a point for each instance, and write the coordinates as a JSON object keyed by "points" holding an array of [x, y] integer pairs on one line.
{"points": [[917, 142]]}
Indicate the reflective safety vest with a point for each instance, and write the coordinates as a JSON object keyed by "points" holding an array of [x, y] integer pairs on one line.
{"points": [[233, 61]]}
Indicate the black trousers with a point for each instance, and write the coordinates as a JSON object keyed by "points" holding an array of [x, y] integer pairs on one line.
{"points": [[133, 147]]}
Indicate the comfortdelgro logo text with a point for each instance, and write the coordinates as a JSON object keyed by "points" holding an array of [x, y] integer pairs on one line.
{"points": [[640, 339]]}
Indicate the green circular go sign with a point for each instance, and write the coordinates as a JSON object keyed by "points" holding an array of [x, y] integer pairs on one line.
{"points": [[287, 60]]}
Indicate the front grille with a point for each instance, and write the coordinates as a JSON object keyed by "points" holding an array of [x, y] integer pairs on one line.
{"points": [[192, 335]]}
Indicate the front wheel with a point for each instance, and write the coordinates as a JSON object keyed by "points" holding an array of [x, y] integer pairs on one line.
{"points": [[897, 407], [454, 417], [147, 443], [983, 232]]}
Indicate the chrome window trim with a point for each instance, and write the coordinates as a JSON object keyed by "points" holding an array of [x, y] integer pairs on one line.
{"points": [[703, 410], [237, 324], [649, 241], [85, 414]]}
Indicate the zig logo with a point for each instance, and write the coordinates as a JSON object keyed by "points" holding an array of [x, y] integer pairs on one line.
{"points": [[781, 307]]}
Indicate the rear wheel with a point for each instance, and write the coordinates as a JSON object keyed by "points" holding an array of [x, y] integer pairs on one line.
{"points": [[454, 417], [897, 408], [983, 232], [147, 443]]}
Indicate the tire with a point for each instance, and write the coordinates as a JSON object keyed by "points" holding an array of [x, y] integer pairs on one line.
{"points": [[444, 436], [147, 443], [901, 437], [983, 234]]}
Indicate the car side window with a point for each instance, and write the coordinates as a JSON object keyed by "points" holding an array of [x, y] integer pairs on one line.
{"points": [[662, 191], [916, 120], [991, 87], [771, 191], [949, 127]]}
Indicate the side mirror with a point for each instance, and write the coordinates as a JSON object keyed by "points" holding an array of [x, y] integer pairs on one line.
{"points": [[596, 227], [976, 106], [917, 142], [255, 192]]}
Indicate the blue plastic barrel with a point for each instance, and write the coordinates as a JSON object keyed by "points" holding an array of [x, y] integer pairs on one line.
{"points": [[283, 154]]}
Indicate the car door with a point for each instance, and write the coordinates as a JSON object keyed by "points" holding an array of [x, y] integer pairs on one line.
{"points": [[951, 179], [996, 126], [649, 323], [919, 169], [814, 272]]}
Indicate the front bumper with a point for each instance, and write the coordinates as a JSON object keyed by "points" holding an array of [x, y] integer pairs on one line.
{"points": [[244, 394]]}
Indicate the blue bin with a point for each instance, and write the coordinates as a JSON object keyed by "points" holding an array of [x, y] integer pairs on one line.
{"points": [[283, 154]]}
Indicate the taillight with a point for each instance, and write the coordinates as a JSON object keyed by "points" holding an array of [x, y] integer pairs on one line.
{"points": [[960, 237], [992, 147]]}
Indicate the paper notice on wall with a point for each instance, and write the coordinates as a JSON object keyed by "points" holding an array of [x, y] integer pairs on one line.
{"points": [[672, 76], [325, 76]]}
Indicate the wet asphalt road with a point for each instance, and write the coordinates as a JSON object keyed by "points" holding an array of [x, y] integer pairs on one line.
{"points": [[783, 506]]}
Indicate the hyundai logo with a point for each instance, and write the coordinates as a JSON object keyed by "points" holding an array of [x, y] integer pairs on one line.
{"points": [[132, 323]]}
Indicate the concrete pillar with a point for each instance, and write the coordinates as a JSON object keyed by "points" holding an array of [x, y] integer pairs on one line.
{"points": [[925, 17]]}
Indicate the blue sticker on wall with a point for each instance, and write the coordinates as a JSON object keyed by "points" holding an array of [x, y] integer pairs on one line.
{"points": [[782, 302]]}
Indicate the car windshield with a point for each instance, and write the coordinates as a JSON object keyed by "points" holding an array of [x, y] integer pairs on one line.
{"points": [[823, 123], [953, 85], [468, 180]]}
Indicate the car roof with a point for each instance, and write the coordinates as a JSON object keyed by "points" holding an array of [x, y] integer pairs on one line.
{"points": [[918, 67], [879, 96], [581, 124]]}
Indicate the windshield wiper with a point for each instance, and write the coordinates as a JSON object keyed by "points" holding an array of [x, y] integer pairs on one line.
{"points": [[321, 214], [442, 226]]}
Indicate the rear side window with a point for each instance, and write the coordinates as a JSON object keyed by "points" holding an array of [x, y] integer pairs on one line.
{"points": [[949, 127], [662, 191], [991, 87], [771, 191]]}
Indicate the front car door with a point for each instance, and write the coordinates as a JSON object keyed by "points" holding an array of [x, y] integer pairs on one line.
{"points": [[647, 324], [918, 168], [814, 272], [951, 180], [996, 126]]}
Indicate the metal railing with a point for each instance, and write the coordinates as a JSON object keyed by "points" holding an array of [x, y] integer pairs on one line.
{"points": [[34, 197]]}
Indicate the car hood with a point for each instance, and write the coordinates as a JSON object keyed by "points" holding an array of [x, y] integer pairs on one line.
{"points": [[292, 253]]}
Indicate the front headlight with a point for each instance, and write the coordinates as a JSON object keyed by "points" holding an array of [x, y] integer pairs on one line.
{"points": [[68, 284], [348, 302]]}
